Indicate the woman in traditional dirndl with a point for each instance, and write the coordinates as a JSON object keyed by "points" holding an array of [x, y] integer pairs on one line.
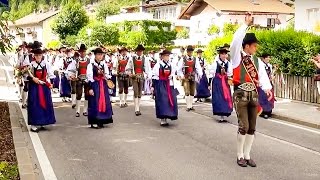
{"points": [[99, 104], [65, 84], [221, 94], [40, 106], [265, 102], [165, 93], [203, 91]]}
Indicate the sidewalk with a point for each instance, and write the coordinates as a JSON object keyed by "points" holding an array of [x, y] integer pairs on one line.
{"points": [[306, 114]]}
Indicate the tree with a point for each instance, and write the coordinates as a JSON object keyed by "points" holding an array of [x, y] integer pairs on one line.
{"points": [[101, 33], [107, 9], [70, 20], [6, 38], [213, 29]]}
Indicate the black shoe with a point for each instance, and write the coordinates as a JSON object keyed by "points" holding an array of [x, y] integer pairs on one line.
{"points": [[74, 106], [100, 125], [137, 113], [241, 162], [125, 105], [85, 114], [122, 106], [24, 106], [251, 163], [188, 109], [192, 109], [77, 114], [42, 128], [36, 130]]}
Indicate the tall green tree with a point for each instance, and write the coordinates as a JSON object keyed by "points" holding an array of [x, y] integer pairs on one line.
{"points": [[6, 38], [70, 20]]}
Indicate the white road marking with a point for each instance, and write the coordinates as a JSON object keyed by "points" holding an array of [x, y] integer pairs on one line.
{"points": [[273, 138], [45, 164]]}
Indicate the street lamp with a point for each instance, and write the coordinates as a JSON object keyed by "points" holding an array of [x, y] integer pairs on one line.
{"points": [[89, 31]]}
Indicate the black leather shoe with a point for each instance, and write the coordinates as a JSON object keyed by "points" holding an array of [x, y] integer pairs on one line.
{"points": [[85, 114], [36, 130], [74, 106], [251, 163], [24, 106], [241, 162], [77, 114]]}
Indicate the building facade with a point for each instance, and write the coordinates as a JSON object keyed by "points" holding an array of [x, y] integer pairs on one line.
{"points": [[307, 15]]}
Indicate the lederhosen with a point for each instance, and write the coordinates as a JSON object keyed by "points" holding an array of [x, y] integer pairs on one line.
{"points": [[123, 77], [81, 83], [245, 94], [138, 76], [189, 82]]}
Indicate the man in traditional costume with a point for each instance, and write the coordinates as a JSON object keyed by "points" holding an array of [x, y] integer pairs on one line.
{"points": [[166, 104], [152, 61], [189, 71], [99, 109], [22, 67], [40, 106], [221, 71], [266, 104], [77, 71], [138, 68], [248, 75], [123, 77], [111, 60], [203, 91]]}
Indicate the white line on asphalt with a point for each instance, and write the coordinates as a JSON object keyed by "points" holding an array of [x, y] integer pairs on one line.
{"points": [[284, 123], [273, 138], [45, 164]]}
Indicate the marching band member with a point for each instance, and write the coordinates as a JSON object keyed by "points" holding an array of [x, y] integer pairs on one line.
{"points": [[111, 60], [203, 91], [22, 66], [148, 81], [266, 104], [221, 70], [123, 77], [65, 86], [138, 67], [77, 73], [100, 109], [152, 61], [163, 74], [248, 74], [40, 106], [189, 69], [71, 73]]}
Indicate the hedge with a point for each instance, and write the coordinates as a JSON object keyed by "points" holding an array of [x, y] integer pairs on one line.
{"points": [[290, 50]]}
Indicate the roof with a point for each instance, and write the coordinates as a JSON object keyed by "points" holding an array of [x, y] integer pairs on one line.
{"points": [[34, 18], [255, 6], [157, 4]]}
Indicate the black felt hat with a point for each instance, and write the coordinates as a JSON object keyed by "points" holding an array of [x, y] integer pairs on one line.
{"points": [[199, 51], [165, 52], [122, 49], [37, 51], [82, 48], [190, 48], [224, 48], [98, 50], [62, 47], [264, 55], [29, 45], [140, 48], [250, 38]]}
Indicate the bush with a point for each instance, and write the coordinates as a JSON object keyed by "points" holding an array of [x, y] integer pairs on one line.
{"points": [[8, 171], [289, 49], [71, 40], [229, 28], [183, 34], [213, 29]]}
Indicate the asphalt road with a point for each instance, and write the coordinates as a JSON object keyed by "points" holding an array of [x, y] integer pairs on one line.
{"points": [[195, 147]]}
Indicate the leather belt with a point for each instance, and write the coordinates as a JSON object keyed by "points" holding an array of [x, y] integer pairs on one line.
{"points": [[245, 87]]}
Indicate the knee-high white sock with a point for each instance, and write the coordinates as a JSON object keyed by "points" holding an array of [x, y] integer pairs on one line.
{"points": [[240, 143], [187, 101], [139, 99], [136, 104], [191, 101], [247, 146], [73, 99], [24, 97], [121, 98], [222, 117], [85, 107], [20, 89], [78, 106], [125, 99]]}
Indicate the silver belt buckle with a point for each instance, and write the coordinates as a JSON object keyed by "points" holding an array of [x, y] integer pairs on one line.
{"points": [[247, 87]]}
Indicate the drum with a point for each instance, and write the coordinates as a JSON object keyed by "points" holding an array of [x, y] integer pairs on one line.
{"points": [[110, 84]]}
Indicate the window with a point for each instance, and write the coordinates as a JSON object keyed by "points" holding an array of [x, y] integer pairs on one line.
{"points": [[313, 15], [271, 22]]}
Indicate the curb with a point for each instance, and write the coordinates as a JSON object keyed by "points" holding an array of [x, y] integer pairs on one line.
{"points": [[296, 121], [27, 167]]}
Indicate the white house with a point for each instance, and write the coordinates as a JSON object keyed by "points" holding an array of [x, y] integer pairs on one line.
{"points": [[35, 26], [155, 10], [204, 13], [307, 15]]}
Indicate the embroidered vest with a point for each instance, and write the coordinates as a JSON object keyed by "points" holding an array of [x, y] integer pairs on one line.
{"points": [[41, 73], [98, 70], [240, 75], [190, 63], [138, 64], [122, 65], [222, 68]]}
